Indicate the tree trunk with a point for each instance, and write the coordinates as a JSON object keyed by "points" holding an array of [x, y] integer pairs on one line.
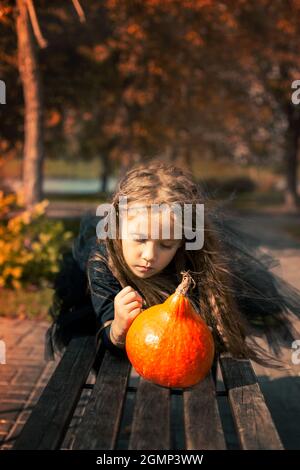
{"points": [[105, 173], [187, 156], [125, 163], [184, 155], [292, 200], [173, 155], [33, 108], [104, 182]]}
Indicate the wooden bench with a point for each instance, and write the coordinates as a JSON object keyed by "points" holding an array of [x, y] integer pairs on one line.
{"points": [[159, 418]]}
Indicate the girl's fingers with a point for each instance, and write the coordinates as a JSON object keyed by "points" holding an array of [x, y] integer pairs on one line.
{"points": [[126, 312], [129, 297], [134, 313], [121, 295], [134, 304], [125, 291]]}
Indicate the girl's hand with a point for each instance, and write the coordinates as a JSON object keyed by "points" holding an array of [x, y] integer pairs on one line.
{"points": [[127, 305]]}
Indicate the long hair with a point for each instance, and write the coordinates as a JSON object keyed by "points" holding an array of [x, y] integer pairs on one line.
{"points": [[213, 293]]}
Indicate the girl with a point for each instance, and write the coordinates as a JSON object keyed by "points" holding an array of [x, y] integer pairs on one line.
{"points": [[103, 285]]}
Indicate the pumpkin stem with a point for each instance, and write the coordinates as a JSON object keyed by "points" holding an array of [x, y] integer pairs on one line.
{"points": [[185, 283]]}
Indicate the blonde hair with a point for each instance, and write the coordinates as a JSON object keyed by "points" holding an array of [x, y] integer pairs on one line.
{"points": [[161, 182]]}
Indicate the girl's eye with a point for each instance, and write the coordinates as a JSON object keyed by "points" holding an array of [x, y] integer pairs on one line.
{"points": [[142, 240], [166, 247]]}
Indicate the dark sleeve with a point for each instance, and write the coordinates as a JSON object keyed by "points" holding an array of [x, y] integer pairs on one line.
{"points": [[103, 288]]}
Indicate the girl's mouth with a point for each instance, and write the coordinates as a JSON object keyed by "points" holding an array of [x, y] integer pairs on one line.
{"points": [[143, 268]]}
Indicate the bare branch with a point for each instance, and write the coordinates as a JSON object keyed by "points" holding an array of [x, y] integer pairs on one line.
{"points": [[35, 25], [79, 10]]}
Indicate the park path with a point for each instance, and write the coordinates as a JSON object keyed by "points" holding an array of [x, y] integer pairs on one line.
{"points": [[281, 388], [23, 376], [26, 373]]}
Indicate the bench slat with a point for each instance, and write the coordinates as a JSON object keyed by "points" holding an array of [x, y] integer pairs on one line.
{"points": [[151, 419], [48, 422], [100, 424], [203, 427], [253, 421]]}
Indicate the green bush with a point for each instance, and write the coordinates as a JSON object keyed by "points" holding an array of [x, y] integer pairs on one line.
{"points": [[31, 246]]}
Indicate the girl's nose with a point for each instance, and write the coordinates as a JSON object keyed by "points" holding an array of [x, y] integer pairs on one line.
{"points": [[149, 252]]}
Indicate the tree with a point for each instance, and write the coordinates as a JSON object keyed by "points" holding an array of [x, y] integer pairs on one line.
{"points": [[267, 48], [29, 36], [175, 78], [33, 99]]}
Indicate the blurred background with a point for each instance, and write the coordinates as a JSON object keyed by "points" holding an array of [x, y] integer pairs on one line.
{"points": [[93, 87]]}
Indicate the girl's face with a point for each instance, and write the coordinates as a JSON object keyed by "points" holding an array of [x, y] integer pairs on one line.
{"points": [[140, 250]]}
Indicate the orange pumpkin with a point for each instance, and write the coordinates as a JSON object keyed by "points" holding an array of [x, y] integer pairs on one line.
{"points": [[169, 343]]}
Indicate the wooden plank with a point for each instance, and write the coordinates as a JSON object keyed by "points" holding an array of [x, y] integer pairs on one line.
{"points": [[151, 419], [48, 422], [203, 427], [236, 372], [100, 424], [253, 421]]}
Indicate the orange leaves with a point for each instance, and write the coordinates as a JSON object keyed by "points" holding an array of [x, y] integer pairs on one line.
{"points": [[98, 53], [286, 26], [172, 4], [139, 130], [135, 96], [228, 19], [128, 65], [111, 4], [154, 7], [155, 69], [296, 4], [135, 30], [194, 38], [5, 11], [101, 52], [196, 4], [53, 118]]}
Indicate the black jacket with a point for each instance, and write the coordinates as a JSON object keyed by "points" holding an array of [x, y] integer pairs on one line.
{"points": [[103, 287], [83, 297]]}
